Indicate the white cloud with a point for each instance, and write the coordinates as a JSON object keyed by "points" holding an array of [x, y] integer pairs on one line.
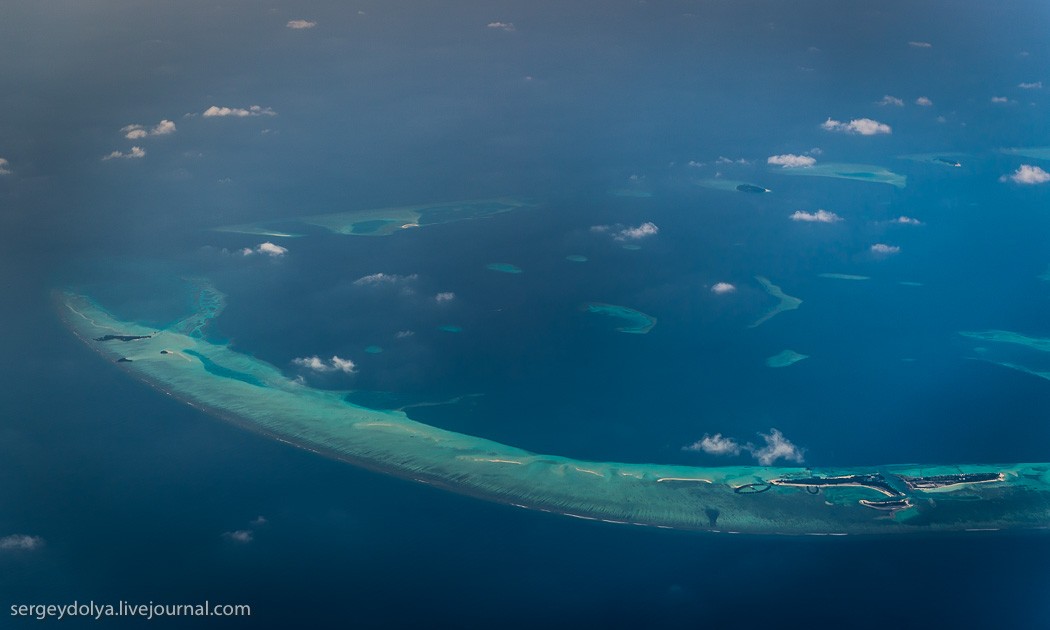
{"points": [[1027, 174], [237, 112], [638, 232], [921, 44], [163, 128], [790, 160], [5, 167], [621, 233], [136, 132], [268, 248], [445, 296], [907, 220], [503, 26], [715, 445], [403, 334], [695, 164], [259, 520], [335, 364], [1038, 85], [883, 248], [923, 101], [724, 160], [862, 126], [343, 365], [312, 363], [242, 536], [891, 100], [300, 24], [1000, 99], [134, 153], [820, 216], [20, 542], [383, 278], [777, 447], [722, 288]]}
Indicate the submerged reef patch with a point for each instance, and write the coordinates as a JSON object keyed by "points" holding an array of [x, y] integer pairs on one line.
{"points": [[635, 322]]}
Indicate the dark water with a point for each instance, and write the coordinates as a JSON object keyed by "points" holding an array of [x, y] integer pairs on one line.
{"points": [[133, 492]]}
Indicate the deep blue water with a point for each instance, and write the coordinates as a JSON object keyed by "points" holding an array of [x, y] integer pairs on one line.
{"points": [[409, 103]]}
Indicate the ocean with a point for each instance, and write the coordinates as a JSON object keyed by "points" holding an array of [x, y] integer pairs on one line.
{"points": [[605, 117]]}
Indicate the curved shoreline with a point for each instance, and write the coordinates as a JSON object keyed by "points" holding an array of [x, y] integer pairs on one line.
{"points": [[392, 443]]}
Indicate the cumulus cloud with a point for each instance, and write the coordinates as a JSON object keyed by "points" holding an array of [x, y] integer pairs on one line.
{"points": [[790, 160], [268, 248], [136, 132], [237, 112], [1027, 174], [503, 26], [335, 364], [133, 154], [621, 233], [259, 520], [242, 536], [641, 231], [1000, 99], [5, 167], [299, 25], [271, 249], [403, 334], [907, 220], [343, 365], [891, 100], [777, 447], [724, 160], [861, 126], [883, 248], [1038, 85], [923, 101], [695, 164], [383, 278], [445, 296], [715, 445], [920, 44], [722, 288], [820, 216], [20, 542]]}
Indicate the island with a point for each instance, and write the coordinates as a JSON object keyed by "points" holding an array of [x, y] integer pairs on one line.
{"points": [[895, 499], [842, 276], [785, 302], [719, 183], [785, 358], [121, 337], [857, 172], [503, 267], [635, 322], [384, 221], [1038, 344]]}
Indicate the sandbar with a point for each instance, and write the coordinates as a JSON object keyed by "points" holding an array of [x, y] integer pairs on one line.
{"points": [[785, 301]]}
